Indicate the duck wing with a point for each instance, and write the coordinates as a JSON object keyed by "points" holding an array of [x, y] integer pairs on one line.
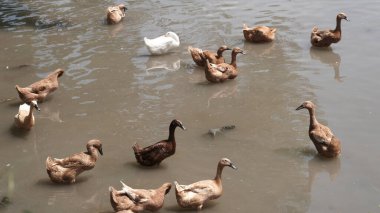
{"points": [[135, 195], [76, 161], [160, 44], [322, 134], [157, 151]]}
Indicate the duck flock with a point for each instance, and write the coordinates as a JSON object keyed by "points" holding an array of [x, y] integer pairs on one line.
{"points": [[65, 170]]}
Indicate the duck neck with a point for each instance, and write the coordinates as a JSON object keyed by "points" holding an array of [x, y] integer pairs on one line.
{"points": [[220, 53], [218, 176], [172, 128], [338, 25], [313, 119], [93, 152], [233, 59]]}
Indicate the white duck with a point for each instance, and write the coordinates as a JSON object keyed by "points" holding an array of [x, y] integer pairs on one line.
{"points": [[162, 44], [24, 118]]}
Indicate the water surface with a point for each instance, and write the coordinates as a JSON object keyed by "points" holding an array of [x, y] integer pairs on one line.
{"points": [[114, 91]]}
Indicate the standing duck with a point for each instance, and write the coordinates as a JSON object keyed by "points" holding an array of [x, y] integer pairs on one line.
{"points": [[154, 154], [66, 169], [214, 58], [115, 14], [24, 118], [324, 38], [324, 140], [40, 89], [162, 44], [196, 194], [259, 34], [217, 73], [138, 200]]}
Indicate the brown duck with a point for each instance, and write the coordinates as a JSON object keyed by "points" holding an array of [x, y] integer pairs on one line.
{"points": [[24, 118], [324, 140], [259, 34], [196, 194], [154, 154], [214, 58], [40, 89], [324, 38], [115, 14], [66, 169], [217, 73], [138, 200]]}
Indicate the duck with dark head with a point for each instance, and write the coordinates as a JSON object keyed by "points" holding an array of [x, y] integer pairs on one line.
{"points": [[154, 154]]}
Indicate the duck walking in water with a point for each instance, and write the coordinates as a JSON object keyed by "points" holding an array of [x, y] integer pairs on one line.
{"points": [[66, 170], [115, 14], [326, 143], [40, 89], [196, 194], [154, 154], [162, 44], [324, 38], [214, 58], [218, 73], [259, 34], [24, 118]]}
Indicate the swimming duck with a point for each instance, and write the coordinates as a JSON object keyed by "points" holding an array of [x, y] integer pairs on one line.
{"points": [[214, 58], [154, 154], [24, 118], [162, 44], [138, 200], [196, 194], [259, 34], [217, 73], [324, 38], [66, 169], [326, 143], [40, 89], [115, 14]]}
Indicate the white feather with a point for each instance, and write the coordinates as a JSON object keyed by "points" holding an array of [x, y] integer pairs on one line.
{"points": [[162, 44]]}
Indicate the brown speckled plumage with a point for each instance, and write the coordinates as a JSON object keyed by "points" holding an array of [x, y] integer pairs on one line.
{"points": [[196, 194], [115, 14], [214, 58], [154, 154], [138, 200], [40, 89], [259, 34], [326, 143], [217, 73], [324, 38], [66, 170]]}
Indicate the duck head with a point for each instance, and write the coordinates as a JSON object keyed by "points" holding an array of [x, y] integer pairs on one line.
{"points": [[96, 144], [223, 48], [227, 162], [122, 7], [178, 123], [167, 187], [306, 105], [172, 35], [342, 16], [35, 105], [237, 50]]}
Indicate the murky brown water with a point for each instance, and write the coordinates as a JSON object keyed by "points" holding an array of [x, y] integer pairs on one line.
{"points": [[113, 90]]}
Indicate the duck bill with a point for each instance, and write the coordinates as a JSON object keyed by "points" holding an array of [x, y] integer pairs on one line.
{"points": [[244, 52], [300, 107], [233, 166], [101, 151], [182, 127], [37, 107]]}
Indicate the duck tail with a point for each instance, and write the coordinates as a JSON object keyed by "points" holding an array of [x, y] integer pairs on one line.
{"points": [[273, 30], [315, 29], [136, 148], [245, 27], [178, 187]]}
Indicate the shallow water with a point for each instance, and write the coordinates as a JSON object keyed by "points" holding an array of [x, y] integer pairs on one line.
{"points": [[113, 90]]}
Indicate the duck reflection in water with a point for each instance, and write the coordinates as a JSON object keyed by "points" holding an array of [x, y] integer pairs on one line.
{"points": [[327, 56], [166, 62], [319, 164]]}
